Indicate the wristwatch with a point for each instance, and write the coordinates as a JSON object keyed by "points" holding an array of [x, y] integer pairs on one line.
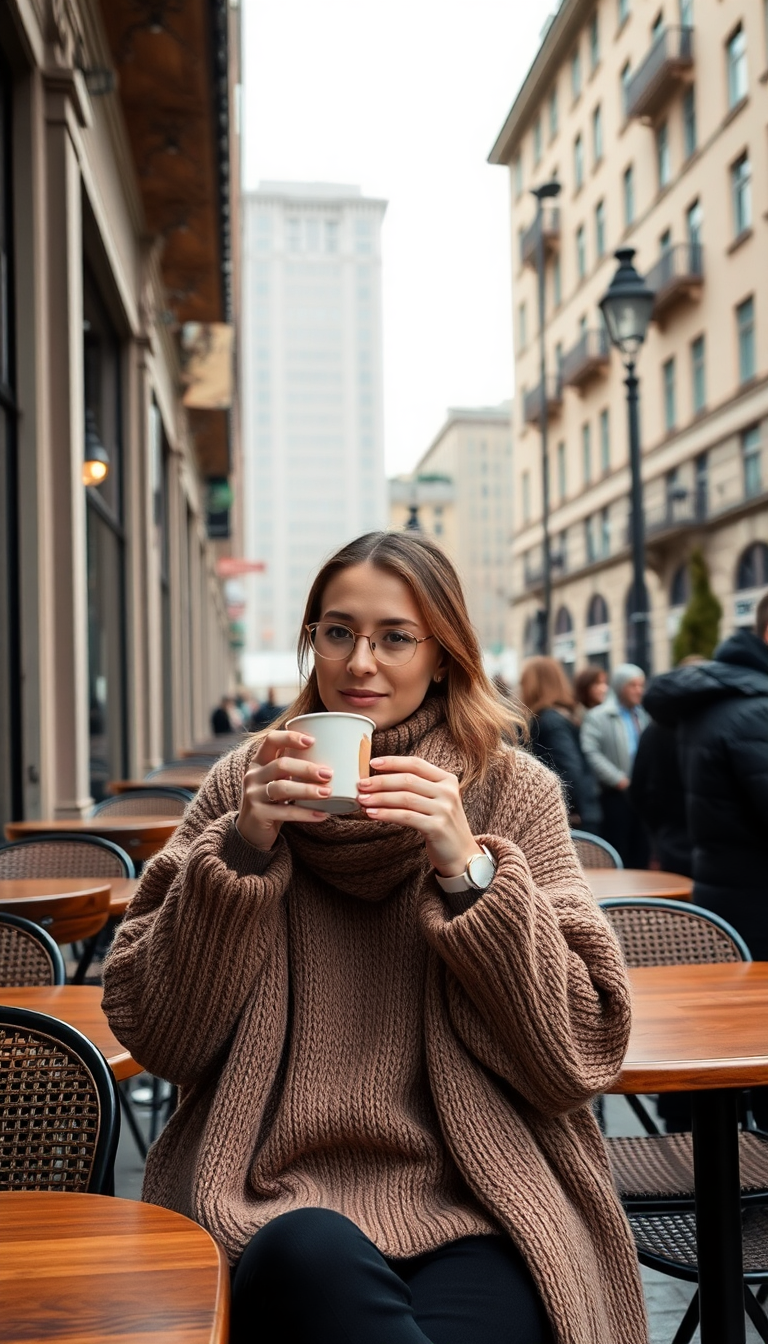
{"points": [[477, 876]]}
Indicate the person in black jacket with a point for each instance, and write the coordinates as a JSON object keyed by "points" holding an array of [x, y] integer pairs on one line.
{"points": [[719, 711], [546, 693]]}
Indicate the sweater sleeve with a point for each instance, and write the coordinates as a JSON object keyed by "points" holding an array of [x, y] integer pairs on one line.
{"points": [[537, 987], [195, 936]]}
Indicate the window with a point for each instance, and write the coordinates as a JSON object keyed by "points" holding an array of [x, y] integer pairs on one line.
{"points": [[576, 74], [600, 229], [745, 326], [586, 452], [736, 62], [685, 9], [581, 252], [578, 162], [590, 540], [662, 155], [559, 358], [701, 485], [557, 283], [518, 177], [689, 122], [751, 452], [623, 6], [597, 611], [698, 375], [629, 196], [553, 117], [597, 133], [526, 495], [594, 42], [293, 234], [605, 532], [670, 408], [331, 235], [562, 480], [752, 570], [665, 241], [626, 75], [657, 28], [537, 141], [605, 440], [522, 326], [741, 194], [693, 223], [583, 324]]}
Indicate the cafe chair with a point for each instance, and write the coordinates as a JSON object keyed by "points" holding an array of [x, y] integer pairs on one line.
{"points": [[653, 1173], [28, 955], [160, 802], [176, 770], [594, 852], [59, 1112]]}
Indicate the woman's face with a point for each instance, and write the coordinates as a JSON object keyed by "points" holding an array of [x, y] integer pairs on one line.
{"points": [[599, 690], [365, 598]]}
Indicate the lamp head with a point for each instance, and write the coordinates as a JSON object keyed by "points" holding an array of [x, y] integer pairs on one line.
{"points": [[547, 189], [627, 306], [96, 458]]}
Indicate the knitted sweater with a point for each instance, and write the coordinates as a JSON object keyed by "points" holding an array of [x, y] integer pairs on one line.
{"points": [[339, 1040]]}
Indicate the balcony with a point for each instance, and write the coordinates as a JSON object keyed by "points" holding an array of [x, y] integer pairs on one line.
{"points": [[668, 64], [677, 277], [589, 358], [550, 218], [532, 401]]}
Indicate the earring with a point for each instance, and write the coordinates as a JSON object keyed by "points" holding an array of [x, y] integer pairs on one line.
{"points": [[437, 679]]}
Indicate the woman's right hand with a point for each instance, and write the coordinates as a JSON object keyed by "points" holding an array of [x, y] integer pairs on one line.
{"points": [[278, 766]]}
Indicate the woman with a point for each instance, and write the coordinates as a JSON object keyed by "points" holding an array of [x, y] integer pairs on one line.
{"points": [[590, 687], [384, 1086], [546, 692]]}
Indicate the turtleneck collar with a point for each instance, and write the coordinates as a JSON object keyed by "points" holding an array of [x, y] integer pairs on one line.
{"points": [[403, 738]]}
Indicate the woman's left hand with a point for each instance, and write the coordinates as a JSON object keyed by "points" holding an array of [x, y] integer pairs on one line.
{"points": [[409, 791]]}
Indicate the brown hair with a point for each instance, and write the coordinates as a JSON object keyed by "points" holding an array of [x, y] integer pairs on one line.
{"points": [[543, 684], [585, 680], [475, 716]]}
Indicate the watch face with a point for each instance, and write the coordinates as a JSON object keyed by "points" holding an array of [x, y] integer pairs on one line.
{"points": [[481, 871]]}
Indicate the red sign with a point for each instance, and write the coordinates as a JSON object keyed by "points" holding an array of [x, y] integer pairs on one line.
{"points": [[228, 566]]}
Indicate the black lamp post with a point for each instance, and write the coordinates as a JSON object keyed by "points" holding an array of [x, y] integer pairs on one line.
{"points": [[546, 191], [627, 306]]}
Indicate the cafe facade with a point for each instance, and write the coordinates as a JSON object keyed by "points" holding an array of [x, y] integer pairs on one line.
{"points": [[119, 467]]}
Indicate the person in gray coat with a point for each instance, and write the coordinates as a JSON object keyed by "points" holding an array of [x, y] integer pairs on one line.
{"points": [[610, 735]]}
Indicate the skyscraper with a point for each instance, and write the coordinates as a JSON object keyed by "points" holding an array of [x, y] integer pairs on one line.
{"points": [[312, 390]]}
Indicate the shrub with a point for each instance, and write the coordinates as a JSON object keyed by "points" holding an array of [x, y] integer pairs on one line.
{"points": [[700, 624]]}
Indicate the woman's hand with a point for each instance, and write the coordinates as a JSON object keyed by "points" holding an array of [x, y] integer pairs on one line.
{"points": [[287, 777], [411, 792]]}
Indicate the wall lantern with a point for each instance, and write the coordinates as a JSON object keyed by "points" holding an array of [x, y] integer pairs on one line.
{"points": [[96, 460]]}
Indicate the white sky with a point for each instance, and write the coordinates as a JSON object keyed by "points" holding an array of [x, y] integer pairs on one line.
{"points": [[405, 98]]}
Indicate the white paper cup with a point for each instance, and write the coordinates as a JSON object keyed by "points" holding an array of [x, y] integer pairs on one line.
{"points": [[343, 743]]}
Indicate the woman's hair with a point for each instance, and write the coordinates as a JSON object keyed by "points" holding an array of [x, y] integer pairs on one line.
{"points": [[544, 685], [585, 680], [475, 715]]}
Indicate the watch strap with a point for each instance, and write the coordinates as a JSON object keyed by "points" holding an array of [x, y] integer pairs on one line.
{"points": [[463, 883]]}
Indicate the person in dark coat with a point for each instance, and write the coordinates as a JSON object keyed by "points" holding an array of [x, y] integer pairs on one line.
{"points": [[220, 720], [546, 693], [657, 795], [719, 711]]}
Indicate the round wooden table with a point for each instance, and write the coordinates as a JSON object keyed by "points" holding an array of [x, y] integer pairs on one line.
{"points": [[93, 1268], [704, 1029], [80, 1006], [141, 837], [69, 908], [607, 883], [121, 892]]}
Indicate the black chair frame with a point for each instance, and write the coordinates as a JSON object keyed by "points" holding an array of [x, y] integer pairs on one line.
{"points": [[77, 839], [38, 932], [159, 791], [601, 843]]}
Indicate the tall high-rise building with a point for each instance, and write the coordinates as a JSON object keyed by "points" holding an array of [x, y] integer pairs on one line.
{"points": [[312, 390]]}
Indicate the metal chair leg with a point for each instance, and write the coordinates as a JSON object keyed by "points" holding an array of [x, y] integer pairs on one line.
{"points": [[133, 1125], [762, 1292], [755, 1313], [642, 1113], [687, 1327]]}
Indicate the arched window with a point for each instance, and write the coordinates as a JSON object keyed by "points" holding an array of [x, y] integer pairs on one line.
{"points": [[597, 611], [563, 622], [752, 569], [680, 587]]}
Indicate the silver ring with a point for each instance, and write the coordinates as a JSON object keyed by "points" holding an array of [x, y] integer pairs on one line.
{"points": [[272, 800]]}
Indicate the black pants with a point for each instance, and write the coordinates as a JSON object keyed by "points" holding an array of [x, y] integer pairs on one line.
{"points": [[312, 1277], [624, 829]]}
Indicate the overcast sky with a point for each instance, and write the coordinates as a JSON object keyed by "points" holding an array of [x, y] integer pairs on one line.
{"points": [[405, 98]]}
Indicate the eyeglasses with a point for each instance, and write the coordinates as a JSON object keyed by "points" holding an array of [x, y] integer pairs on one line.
{"points": [[336, 642]]}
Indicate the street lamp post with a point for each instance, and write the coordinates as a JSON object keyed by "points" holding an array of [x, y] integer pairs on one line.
{"points": [[627, 306], [546, 191]]}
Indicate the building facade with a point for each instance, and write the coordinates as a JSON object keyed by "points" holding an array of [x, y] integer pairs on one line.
{"points": [[652, 118], [312, 391], [118, 227], [460, 493]]}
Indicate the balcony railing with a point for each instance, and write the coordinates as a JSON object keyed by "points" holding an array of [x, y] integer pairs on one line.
{"points": [[677, 277], [668, 64], [590, 356], [532, 401], [550, 217]]}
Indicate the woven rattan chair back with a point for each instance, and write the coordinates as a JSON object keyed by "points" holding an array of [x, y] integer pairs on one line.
{"points": [[63, 855], [178, 770], [146, 803], [28, 955], [594, 852], [59, 1111], [657, 932]]}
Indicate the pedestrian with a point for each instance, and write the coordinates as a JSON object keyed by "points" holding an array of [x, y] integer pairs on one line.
{"points": [[610, 735], [221, 722], [387, 1028], [590, 687], [554, 738], [266, 713], [719, 711]]}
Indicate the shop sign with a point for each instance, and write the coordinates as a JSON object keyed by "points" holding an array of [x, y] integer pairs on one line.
{"points": [[597, 638], [564, 648], [745, 605]]}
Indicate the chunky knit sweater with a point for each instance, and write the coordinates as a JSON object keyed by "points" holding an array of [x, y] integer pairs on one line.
{"points": [[340, 1040]]}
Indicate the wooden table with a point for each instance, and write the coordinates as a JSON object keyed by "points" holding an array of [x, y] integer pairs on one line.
{"points": [[80, 1006], [90, 1268], [704, 1030], [121, 892], [141, 837], [191, 781], [607, 883], [69, 908]]}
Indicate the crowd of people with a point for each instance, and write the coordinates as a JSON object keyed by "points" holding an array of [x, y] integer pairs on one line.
{"points": [[243, 712]]}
